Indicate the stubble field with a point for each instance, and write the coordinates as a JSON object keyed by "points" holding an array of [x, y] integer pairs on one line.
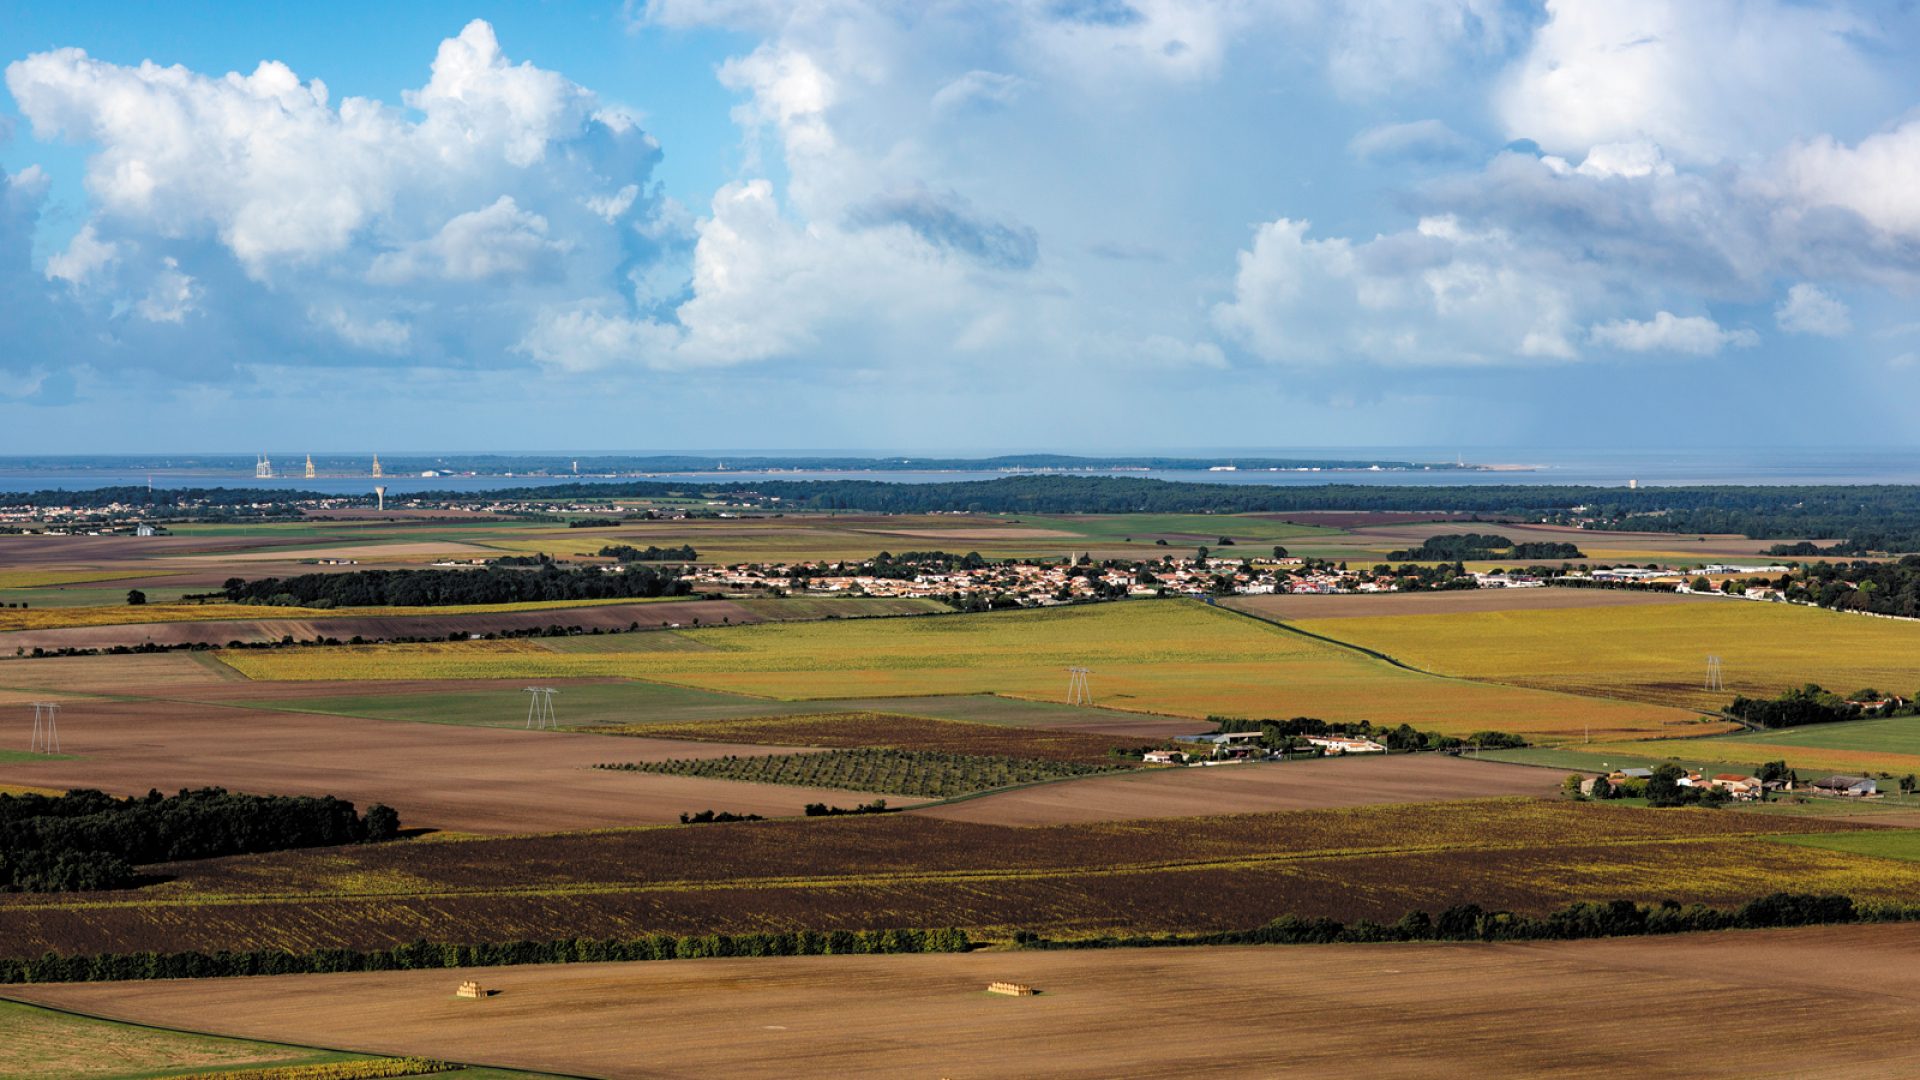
{"points": [[1482, 1010]]}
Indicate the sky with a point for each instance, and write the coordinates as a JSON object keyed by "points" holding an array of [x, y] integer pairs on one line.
{"points": [[997, 225]]}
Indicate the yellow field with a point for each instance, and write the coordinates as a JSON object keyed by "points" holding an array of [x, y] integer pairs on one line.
{"points": [[1808, 760], [34, 579], [124, 615], [1173, 657], [1654, 653]]}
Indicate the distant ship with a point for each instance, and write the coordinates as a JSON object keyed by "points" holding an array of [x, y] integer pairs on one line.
{"points": [[1224, 468]]}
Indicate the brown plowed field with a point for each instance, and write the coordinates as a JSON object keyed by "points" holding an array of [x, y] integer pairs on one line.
{"points": [[1252, 788], [464, 779], [1834, 1000], [587, 617], [1312, 606]]}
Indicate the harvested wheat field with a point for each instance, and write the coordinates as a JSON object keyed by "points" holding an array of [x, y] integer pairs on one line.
{"points": [[463, 779], [1559, 1008], [1289, 606], [1655, 653], [1175, 658], [1254, 788]]}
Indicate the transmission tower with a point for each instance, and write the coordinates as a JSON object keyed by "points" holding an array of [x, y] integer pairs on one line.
{"points": [[1713, 674], [1078, 693], [540, 709], [46, 727]]}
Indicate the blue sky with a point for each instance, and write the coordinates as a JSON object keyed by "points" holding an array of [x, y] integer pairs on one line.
{"points": [[1005, 224]]}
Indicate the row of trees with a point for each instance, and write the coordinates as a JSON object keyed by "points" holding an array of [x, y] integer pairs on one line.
{"points": [[422, 955], [628, 553], [1284, 734], [1471, 922], [1482, 546], [430, 588], [87, 839], [1809, 704]]}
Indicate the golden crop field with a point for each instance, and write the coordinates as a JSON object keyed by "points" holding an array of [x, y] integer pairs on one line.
{"points": [[1654, 653], [1174, 657], [33, 579]]}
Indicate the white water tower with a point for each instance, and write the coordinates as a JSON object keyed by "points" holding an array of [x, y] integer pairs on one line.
{"points": [[380, 494]]}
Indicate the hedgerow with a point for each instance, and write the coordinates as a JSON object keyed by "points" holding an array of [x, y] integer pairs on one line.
{"points": [[116, 967], [1470, 922]]}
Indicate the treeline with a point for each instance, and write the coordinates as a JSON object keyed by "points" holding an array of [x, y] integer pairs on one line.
{"points": [[1470, 922], [1809, 704], [1482, 546], [628, 553], [910, 564], [710, 817], [1881, 588], [87, 839], [433, 588], [1879, 517], [1282, 734], [420, 955], [877, 806]]}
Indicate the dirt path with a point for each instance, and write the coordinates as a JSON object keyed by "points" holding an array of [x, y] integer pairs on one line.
{"points": [[1809, 1002]]}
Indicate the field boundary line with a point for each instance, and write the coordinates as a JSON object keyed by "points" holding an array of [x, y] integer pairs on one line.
{"points": [[107, 1018]]}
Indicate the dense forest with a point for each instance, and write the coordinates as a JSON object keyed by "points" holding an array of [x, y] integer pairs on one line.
{"points": [[1877, 517], [86, 839], [426, 588]]}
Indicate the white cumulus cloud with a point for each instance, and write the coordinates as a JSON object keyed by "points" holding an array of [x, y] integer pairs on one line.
{"points": [[1809, 309], [1696, 335]]}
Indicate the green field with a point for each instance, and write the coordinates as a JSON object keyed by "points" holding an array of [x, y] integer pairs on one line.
{"points": [[37, 1042], [1903, 844]]}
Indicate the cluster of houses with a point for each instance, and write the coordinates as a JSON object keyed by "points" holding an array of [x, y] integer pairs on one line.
{"points": [[1248, 745], [1041, 583], [1747, 788]]}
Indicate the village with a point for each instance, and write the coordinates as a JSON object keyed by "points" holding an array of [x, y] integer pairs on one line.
{"points": [[1041, 583]]}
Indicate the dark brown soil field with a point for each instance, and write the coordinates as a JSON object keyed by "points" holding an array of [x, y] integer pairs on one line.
{"points": [[1833, 1000], [464, 779], [1329, 606], [875, 872], [891, 731], [1254, 787]]}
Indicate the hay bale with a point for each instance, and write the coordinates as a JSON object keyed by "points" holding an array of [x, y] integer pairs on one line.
{"points": [[470, 989], [1011, 989]]}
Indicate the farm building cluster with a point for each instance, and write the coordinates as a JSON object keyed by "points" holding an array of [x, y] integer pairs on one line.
{"points": [[1742, 787]]}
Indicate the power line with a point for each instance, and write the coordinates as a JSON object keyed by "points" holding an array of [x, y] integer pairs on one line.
{"points": [[540, 709], [1078, 692], [46, 727]]}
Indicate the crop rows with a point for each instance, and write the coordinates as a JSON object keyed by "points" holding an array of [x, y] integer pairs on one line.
{"points": [[925, 773], [986, 904]]}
